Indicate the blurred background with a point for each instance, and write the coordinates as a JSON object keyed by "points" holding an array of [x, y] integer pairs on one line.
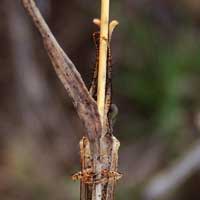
{"points": [[156, 84]]}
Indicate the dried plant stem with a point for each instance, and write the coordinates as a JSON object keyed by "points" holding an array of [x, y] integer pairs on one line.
{"points": [[101, 87], [103, 57], [99, 150]]}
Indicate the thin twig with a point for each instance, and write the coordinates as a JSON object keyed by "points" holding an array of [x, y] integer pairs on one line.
{"points": [[103, 57], [101, 87]]}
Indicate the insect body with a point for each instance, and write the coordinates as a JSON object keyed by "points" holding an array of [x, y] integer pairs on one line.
{"points": [[87, 176], [93, 88]]}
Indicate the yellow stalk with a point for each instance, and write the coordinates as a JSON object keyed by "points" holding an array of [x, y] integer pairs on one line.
{"points": [[101, 87], [104, 26]]}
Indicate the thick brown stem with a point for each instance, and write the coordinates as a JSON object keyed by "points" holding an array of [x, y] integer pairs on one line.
{"points": [[109, 161]]}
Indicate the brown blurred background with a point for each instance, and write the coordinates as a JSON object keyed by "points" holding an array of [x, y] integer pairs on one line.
{"points": [[156, 83]]}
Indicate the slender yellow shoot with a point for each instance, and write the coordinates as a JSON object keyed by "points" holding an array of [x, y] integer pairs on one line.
{"points": [[101, 87], [104, 26]]}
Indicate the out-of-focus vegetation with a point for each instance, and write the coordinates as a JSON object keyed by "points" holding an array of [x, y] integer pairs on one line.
{"points": [[156, 84]]}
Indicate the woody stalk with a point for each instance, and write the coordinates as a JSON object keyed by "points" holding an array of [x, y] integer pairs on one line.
{"points": [[101, 86], [99, 148]]}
